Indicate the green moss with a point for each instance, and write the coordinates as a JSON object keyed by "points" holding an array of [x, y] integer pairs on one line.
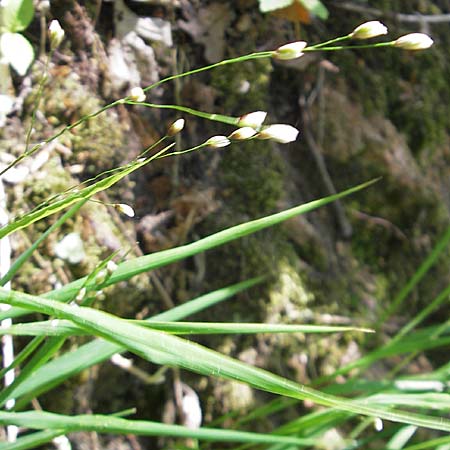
{"points": [[252, 178], [289, 296], [99, 143], [51, 179], [406, 87], [243, 88]]}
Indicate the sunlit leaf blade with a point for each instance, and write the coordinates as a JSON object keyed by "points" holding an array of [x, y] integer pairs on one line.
{"points": [[33, 440], [424, 268], [429, 400], [117, 425], [431, 444], [206, 301], [71, 197], [71, 363], [128, 269], [401, 438], [423, 339], [43, 354], [244, 328], [165, 349], [67, 328], [23, 355]]}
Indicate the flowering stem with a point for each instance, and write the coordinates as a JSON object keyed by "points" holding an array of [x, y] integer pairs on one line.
{"points": [[217, 117], [331, 41], [349, 47], [57, 135], [251, 56], [151, 147], [38, 100], [197, 147], [257, 55]]}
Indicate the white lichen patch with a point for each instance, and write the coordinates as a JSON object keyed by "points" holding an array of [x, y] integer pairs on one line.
{"points": [[289, 297]]}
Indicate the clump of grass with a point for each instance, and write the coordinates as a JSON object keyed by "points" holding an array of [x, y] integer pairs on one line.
{"points": [[354, 405]]}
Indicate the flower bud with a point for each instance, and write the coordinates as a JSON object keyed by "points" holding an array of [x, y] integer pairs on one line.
{"points": [[243, 133], [253, 119], [290, 51], [137, 94], [378, 424], [101, 277], [175, 128], [413, 41], [124, 209], [81, 294], [218, 141], [369, 30], [56, 34], [111, 266], [279, 132]]}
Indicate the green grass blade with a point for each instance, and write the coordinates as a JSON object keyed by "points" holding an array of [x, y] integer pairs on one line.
{"points": [[128, 269], [427, 382], [46, 351], [28, 252], [32, 440], [432, 443], [23, 355], [430, 400], [417, 277], [72, 363], [193, 112], [60, 369], [36, 147], [74, 196], [315, 427], [239, 59], [180, 311], [272, 407], [12, 313], [206, 301], [39, 358], [117, 425], [243, 328], [133, 267], [423, 339], [401, 438], [169, 350], [67, 328], [444, 296], [312, 425]]}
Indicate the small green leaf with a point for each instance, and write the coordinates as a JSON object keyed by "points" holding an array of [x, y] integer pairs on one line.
{"points": [[16, 15], [315, 7], [272, 5], [17, 51]]}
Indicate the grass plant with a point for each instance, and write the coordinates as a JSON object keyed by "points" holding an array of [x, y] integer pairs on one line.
{"points": [[398, 406]]}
